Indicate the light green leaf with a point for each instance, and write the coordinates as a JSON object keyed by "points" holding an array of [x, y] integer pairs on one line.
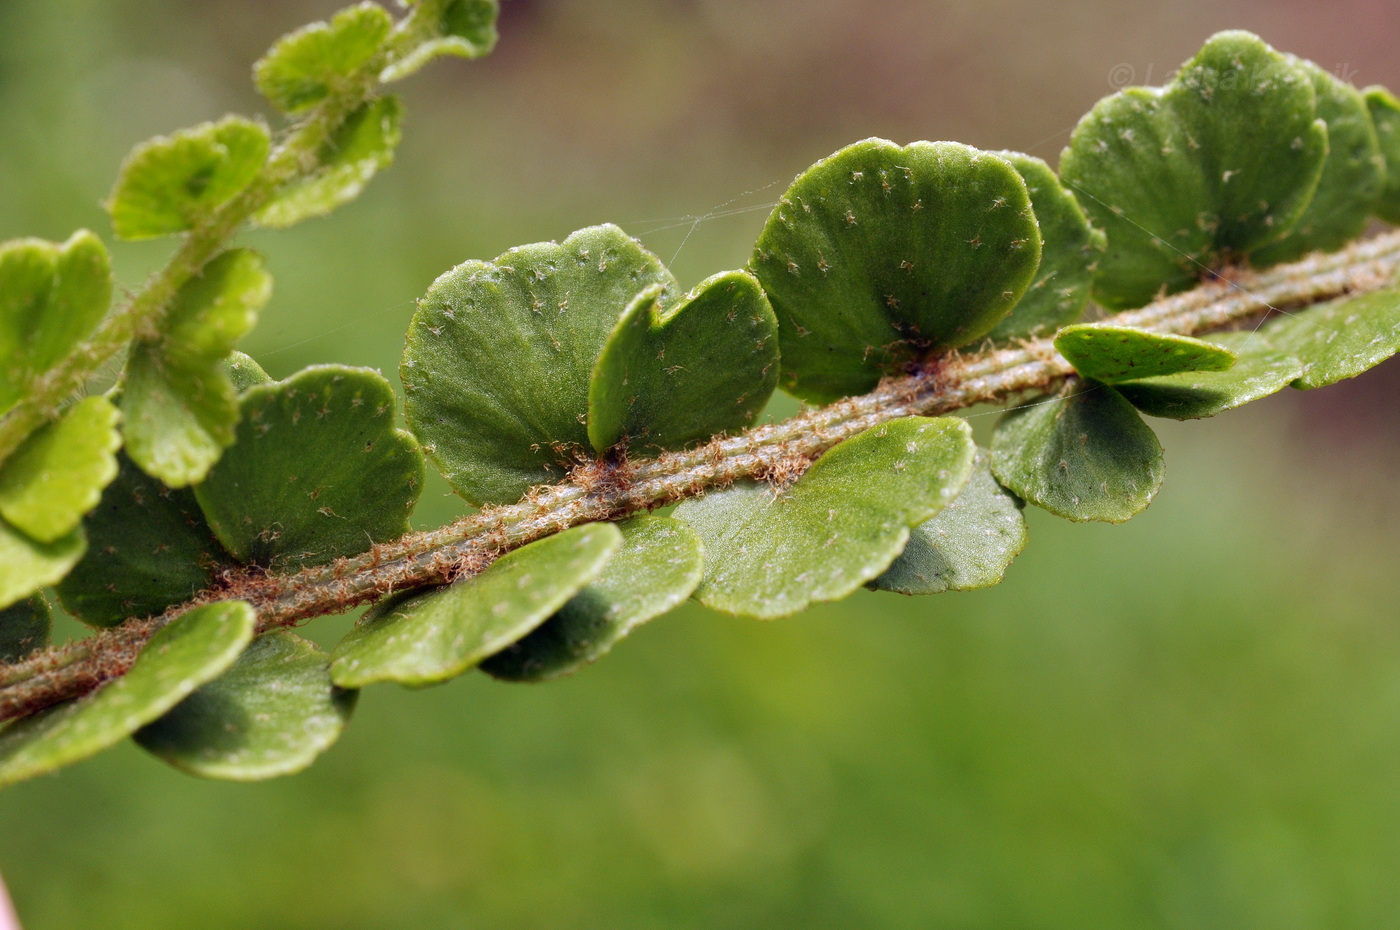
{"points": [[173, 183], [52, 295], [24, 628], [658, 567], [243, 372], [26, 565], [214, 310], [1069, 255], [1083, 455], [192, 649], [967, 546], [1109, 353], [271, 713], [464, 29], [500, 355], [322, 59], [58, 474], [359, 149], [149, 549], [1352, 177], [1261, 370], [432, 637], [1385, 114], [666, 378], [318, 470], [770, 553], [1199, 174], [1342, 338], [879, 254], [179, 402]]}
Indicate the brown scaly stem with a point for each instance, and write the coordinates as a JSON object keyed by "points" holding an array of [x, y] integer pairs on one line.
{"points": [[612, 490]]}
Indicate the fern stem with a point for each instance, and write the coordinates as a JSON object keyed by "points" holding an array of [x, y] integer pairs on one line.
{"points": [[608, 490]]}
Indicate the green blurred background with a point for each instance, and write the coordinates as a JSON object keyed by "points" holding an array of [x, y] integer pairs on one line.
{"points": [[1192, 721]]}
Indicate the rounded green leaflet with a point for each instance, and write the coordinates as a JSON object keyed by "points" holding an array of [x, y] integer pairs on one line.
{"points": [[880, 254], [27, 565], [1261, 370], [1200, 173], [500, 356], [464, 29], [667, 377], [968, 545], [1352, 177], [271, 713], [426, 638], [1109, 353], [1340, 339], [321, 59], [1249, 115], [243, 372], [770, 553], [180, 404], [170, 184], [191, 650], [362, 147], [1084, 454], [52, 295], [149, 548], [659, 565], [58, 474], [1069, 255], [1385, 115], [24, 628], [317, 472]]}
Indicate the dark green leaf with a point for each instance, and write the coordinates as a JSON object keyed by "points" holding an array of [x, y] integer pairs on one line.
{"points": [[192, 649], [1385, 114], [180, 404], [878, 254], [1111, 354], [464, 29], [363, 146], [271, 713], [770, 553], [58, 474], [322, 59], [24, 628], [1261, 370], [173, 183], [51, 297], [500, 355], [659, 565], [149, 548], [439, 635], [1069, 255], [1083, 455], [1342, 338], [967, 546], [318, 470], [1193, 176], [1352, 178], [666, 378], [26, 565]]}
